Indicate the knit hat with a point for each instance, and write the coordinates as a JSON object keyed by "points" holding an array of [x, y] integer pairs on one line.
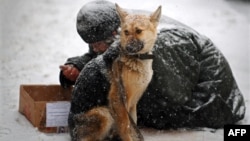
{"points": [[97, 20]]}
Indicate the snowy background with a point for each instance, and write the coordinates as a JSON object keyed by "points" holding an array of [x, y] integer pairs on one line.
{"points": [[38, 35]]}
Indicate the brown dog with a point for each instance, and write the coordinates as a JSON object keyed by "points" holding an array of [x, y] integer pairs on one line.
{"points": [[130, 75]]}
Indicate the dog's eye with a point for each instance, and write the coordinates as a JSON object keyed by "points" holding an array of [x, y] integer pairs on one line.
{"points": [[138, 31], [126, 32]]}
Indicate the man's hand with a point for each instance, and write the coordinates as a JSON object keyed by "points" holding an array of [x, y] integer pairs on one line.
{"points": [[70, 72]]}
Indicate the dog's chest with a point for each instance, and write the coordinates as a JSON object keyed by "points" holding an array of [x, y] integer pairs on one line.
{"points": [[137, 73]]}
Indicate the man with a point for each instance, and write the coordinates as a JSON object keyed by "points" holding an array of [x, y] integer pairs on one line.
{"points": [[192, 84]]}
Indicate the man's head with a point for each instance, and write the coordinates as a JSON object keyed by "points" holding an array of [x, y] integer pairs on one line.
{"points": [[96, 21]]}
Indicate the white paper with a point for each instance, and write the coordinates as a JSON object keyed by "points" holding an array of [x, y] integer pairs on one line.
{"points": [[57, 114]]}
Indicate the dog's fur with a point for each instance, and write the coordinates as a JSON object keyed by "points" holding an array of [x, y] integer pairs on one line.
{"points": [[130, 76]]}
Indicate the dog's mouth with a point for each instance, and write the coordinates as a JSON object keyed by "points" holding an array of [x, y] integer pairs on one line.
{"points": [[134, 46]]}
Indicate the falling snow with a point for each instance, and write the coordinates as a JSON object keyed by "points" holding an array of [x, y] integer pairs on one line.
{"points": [[38, 36]]}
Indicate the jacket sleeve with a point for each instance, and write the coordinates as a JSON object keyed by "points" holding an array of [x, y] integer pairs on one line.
{"points": [[91, 89], [79, 62]]}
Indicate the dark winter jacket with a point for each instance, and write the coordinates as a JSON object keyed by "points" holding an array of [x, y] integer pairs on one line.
{"points": [[192, 84], [79, 62]]}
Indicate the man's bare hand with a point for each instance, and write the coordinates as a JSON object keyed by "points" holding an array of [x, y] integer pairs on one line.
{"points": [[70, 72]]}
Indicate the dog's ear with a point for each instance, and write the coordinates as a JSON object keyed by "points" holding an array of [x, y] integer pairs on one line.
{"points": [[155, 17], [122, 14]]}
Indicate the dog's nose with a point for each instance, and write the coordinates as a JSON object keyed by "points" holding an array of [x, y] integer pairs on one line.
{"points": [[134, 46]]}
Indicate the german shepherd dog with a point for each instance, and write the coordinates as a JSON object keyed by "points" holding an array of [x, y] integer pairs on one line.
{"points": [[130, 75]]}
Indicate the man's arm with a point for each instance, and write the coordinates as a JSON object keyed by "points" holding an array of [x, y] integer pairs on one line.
{"points": [[71, 69]]}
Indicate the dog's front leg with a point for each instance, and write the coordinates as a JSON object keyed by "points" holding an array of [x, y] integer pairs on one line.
{"points": [[119, 113], [133, 113], [117, 103]]}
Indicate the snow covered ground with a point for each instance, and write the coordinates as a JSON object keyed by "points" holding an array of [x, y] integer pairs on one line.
{"points": [[37, 36]]}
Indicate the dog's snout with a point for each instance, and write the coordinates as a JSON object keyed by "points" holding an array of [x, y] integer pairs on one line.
{"points": [[134, 46]]}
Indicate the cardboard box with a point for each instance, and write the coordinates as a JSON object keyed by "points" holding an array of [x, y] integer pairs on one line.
{"points": [[35, 100]]}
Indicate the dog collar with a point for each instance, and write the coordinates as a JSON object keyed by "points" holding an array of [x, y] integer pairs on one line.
{"points": [[143, 56], [138, 56]]}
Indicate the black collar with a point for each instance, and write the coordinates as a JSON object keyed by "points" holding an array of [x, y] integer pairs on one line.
{"points": [[137, 56], [142, 56]]}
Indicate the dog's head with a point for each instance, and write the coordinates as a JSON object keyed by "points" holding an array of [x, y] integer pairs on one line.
{"points": [[138, 32]]}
